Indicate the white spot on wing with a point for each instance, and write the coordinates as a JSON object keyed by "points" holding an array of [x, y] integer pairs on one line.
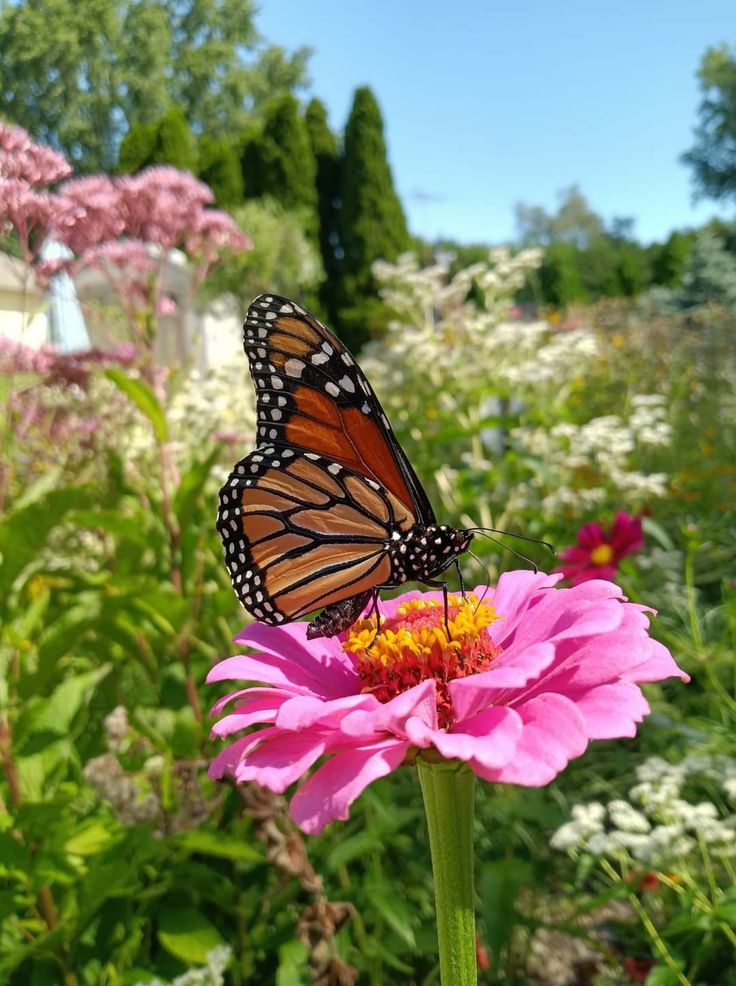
{"points": [[347, 384], [294, 367], [320, 358], [332, 388]]}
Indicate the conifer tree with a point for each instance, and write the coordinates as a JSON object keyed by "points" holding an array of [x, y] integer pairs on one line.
{"points": [[136, 148], [282, 165], [168, 141], [219, 168], [175, 143], [372, 225], [327, 157]]}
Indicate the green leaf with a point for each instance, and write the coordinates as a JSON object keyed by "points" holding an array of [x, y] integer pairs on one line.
{"points": [[24, 531], [54, 714], [663, 975], [726, 912], [115, 522], [218, 844], [348, 849], [144, 399], [90, 839], [655, 531], [394, 911], [187, 934], [190, 488], [500, 884], [293, 967]]}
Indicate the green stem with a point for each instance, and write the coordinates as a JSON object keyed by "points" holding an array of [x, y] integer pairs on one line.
{"points": [[448, 790]]}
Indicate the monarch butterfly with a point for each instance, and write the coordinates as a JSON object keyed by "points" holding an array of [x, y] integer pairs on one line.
{"points": [[326, 510]]}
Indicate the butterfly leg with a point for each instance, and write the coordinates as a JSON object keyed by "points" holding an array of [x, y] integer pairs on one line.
{"points": [[460, 577], [437, 584], [377, 613]]}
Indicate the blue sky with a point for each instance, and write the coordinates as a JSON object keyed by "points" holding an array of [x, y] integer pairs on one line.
{"points": [[490, 103]]}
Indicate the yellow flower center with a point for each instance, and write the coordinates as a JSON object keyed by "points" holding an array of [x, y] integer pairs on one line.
{"points": [[602, 555], [414, 644]]}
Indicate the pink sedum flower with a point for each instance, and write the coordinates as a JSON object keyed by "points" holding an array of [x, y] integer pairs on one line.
{"points": [[529, 675], [598, 552]]}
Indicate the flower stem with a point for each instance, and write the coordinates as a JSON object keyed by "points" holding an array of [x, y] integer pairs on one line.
{"points": [[448, 790]]}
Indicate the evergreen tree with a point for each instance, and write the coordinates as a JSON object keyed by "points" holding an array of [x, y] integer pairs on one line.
{"points": [[327, 158], [219, 168], [168, 141], [670, 260], [559, 275], [282, 164], [175, 143], [136, 148], [710, 275], [372, 224]]}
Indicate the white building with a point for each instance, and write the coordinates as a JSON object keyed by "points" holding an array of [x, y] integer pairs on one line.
{"points": [[83, 313]]}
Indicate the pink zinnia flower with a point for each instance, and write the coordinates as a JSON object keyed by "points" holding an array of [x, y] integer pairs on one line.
{"points": [[529, 675], [597, 553]]}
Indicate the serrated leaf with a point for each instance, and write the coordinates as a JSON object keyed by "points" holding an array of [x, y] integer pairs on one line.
{"points": [[144, 399], [187, 934]]}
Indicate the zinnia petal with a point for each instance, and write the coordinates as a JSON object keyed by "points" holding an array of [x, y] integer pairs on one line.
{"points": [[553, 733], [330, 791]]}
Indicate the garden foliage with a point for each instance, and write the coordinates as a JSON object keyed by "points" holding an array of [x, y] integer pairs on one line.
{"points": [[121, 862]]}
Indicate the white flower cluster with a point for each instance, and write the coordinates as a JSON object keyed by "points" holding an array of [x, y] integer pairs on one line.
{"points": [[451, 359], [219, 402], [211, 974], [661, 825], [601, 447]]}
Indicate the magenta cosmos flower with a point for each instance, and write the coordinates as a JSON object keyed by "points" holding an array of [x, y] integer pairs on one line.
{"points": [[597, 552], [529, 675]]}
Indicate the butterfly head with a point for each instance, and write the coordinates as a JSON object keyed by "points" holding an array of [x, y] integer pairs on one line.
{"points": [[424, 552]]}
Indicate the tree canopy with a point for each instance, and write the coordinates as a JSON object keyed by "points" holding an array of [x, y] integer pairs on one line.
{"points": [[574, 222], [713, 155], [78, 75]]}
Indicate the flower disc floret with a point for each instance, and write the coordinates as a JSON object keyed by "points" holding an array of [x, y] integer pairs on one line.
{"points": [[416, 644]]}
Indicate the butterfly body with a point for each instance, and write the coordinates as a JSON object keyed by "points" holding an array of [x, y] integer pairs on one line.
{"points": [[326, 510]]}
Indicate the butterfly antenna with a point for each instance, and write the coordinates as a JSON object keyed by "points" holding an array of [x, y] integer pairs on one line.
{"points": [[523, 537], [513, 551]]}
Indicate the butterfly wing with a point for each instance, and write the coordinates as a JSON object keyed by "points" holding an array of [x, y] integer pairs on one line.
{"points": [[302, 532], [313, 397]]}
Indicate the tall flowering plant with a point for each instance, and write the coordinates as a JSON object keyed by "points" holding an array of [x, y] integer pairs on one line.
{"points": [[127, 227], [515, 685]]}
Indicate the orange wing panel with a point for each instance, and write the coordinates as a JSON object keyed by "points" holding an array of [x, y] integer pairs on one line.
{"points": [[372, 448]]}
